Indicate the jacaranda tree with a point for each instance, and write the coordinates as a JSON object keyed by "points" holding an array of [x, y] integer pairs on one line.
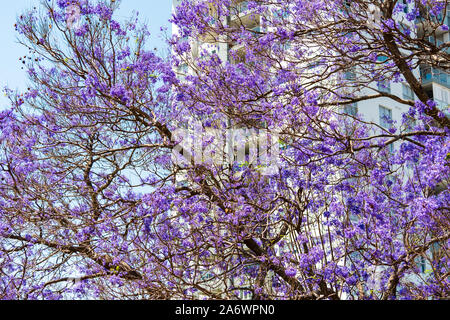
{"points": [[96, 203]]}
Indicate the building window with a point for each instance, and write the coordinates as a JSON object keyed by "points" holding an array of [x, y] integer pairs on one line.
{"points": [[386, 121], [408, 94], [350, 74], [384, 86], [351, 109], [385, 117], [442, 97], [421, 262]]}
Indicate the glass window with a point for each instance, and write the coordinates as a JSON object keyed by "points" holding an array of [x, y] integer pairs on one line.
{"points": [[421, 263], [350, 74], [444, 96], [408, 94], [351, 109], [386, 122], [385, 117], [384, 86]]}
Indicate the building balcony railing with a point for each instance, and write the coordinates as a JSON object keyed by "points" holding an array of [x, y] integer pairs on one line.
{"points": [[430, 75]]}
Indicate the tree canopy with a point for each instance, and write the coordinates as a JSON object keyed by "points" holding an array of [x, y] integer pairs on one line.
{"points": [[93, 205]]}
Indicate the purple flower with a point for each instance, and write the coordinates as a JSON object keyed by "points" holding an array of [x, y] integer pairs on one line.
{"points": [[291, 272]]}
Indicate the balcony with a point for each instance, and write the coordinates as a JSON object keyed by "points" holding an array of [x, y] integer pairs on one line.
{"points": [[430, 75]]}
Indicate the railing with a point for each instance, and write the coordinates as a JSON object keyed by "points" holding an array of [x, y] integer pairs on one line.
{"points": [[429, 75]]}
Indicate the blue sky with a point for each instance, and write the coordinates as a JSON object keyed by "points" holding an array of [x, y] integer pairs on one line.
{"points": [[155, 12]]}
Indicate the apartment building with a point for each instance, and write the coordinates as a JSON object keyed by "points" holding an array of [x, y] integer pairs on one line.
{"points": [[436, 82]]}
